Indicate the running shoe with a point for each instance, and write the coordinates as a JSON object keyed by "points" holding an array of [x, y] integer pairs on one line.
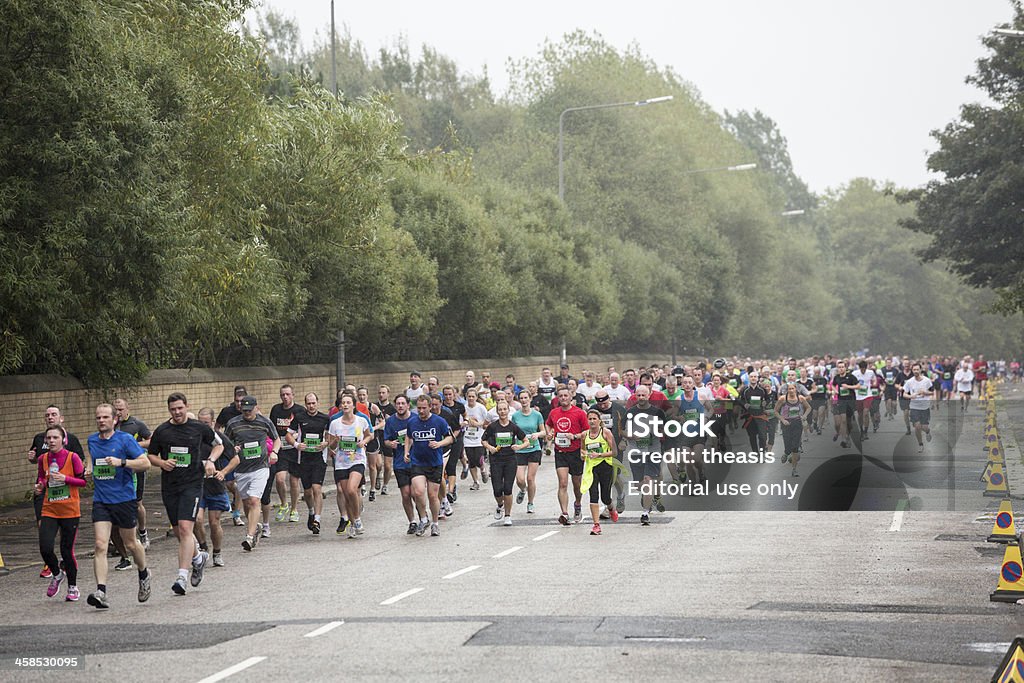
{"points": [[359, 527], [595, 530], [265, 531], [784, 459], [842, 444], [309, 521], [908, 432], [928, 437], [450, 497], [218, 560], [413, 528], [124, 565], [475, 486], [373, 495], [605, 514], [342, 526], [614, 514], [54, 586], [422, 527], [520, 497], [563, 519], [448, 509], [795, 474], [282, 512], [645, 519], [198, 566], [99, 600], [237, 520], [465, 473], [315, 527], [144, 539], [294, 517], [352, 531], [659, 506], [362, 490], [835, 437], [620, 504], [72, 595], [45, 573], [383, 490], [499, 512], [507, 522], [179, 586], [435, 530], [248, 544], [256, 540], [380, 482], [577, 513], [529, 508]]}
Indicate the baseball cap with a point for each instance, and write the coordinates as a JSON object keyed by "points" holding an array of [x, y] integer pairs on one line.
{"points": [[677, 370], [564, 366], [249, 403]]}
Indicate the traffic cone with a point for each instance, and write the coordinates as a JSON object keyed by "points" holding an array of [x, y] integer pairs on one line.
{"points": [[4, 571], [1004, 530], [1010, 587], [1011, 669], [995, 482]]}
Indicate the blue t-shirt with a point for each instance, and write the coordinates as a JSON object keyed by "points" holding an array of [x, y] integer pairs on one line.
{"points": [[113, 484], [531, 424], [396, 429], [434, 428]]}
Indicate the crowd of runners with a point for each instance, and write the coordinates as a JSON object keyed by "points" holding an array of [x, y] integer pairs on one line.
{"points": [[427, 443]]}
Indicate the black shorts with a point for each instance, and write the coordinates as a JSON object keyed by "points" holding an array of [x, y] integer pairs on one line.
{"points": [[403, 477], [818, 403], [920, 416], [904, 404], [182, 505], [848, 408], [475, 455], [140, 485], [451, 464], [524, 459], [691, 441], [433, 474], [570, 459], [288, 461], [342, 475], [124, 515], [312, 470], [274, 469]]}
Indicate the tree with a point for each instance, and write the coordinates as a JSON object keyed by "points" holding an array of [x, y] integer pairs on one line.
{"points": [[975, 213], [761, 135]]}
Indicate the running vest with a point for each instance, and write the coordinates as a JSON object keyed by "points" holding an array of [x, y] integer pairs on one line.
{"points": [[61, 502], [594, 445]]}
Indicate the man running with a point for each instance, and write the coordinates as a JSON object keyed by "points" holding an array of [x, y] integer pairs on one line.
{"points": [[286, 472], [918, 389], [308, 435], [566, 425], [429, 434], [844, 385], [396, 433], [964, 385], [115, 457], [176, 448], [250, 432], [137, 429]]}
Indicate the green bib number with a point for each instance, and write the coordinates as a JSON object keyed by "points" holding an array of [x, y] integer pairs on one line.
{"points": [[503, 439], [181, 456], [103, 472], [312, 442], [58, 493], [690, 415], [347, 443], [251, 450]]}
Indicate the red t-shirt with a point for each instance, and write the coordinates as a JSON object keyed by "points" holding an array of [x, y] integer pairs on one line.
{"points": [[568, 421], [658, 400], [980, 370]]}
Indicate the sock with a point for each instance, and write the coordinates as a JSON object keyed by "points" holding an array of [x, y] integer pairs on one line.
{"points": [[358, 521], [101, 587], [182, 573], [424, 520], [203, 546], [236, 513], [144, 573], [143, 532], [316, 517]]}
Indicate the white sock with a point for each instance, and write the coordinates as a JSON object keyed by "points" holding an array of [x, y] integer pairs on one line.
{"points": [[182, 573]]}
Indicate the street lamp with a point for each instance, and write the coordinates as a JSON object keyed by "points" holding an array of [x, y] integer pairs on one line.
{"points": [[561, 129], [739, 167], [1009, 32], [793, 212]]}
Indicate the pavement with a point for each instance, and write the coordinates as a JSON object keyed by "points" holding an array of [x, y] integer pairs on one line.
{"points": [[774, 593]]}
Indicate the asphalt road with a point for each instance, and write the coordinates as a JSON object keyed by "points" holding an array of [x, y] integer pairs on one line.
{"points": [[770, 593]]}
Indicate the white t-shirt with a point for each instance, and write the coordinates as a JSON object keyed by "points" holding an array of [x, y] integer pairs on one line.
{"points": [[913, 386], [472, 435], [588, 391], [348, 454], [964, 379], [413, 394], [705, 395], [865, 380], [619, 393]]}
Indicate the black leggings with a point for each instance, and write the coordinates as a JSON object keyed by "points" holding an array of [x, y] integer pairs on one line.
{"points": [[503, 474], [792, 434], [48, 528], [603, 479]]}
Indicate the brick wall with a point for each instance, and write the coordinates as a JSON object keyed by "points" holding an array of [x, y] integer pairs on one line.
{"points": [[23, 399]]}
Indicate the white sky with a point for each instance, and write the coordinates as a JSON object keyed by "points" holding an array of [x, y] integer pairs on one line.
{"points": [[855, 87]]}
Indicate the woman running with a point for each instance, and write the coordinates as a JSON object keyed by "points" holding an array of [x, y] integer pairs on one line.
{"points": [[60, 475], [531, 421], [792, 411], [503, 439], [598, 454]]}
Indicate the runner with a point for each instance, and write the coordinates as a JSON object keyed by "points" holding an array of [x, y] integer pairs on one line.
{"points": [[792, 411], [250, 432], [918, 389], [844, 384], [429, 435], [471, 383], [286, 472], [456, 455], [600, 452], [754, 401], [589, 387], [215, 498], [475, 423], [504, 439], [60, 475], [52, 418], [865, 380], [126, 422], [691, 407], [395, 435], [980, 369], [176, 448], [115, 456], [638, 449], [387, 409], [450, 458], [819, 400], [374, 458], [964, 385], [415, 388], [227, 413], [565, 426], [308, 435], [902, 376], [616, 390], [528, 459], [347, 437]]}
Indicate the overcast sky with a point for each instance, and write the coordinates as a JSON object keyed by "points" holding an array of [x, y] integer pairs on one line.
{"points": [[855, 87]]}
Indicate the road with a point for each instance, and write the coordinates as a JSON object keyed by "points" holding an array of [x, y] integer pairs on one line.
{"points": [[764, 594]]}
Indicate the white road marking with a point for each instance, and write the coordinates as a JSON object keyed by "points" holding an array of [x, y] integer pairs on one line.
{"points": [[467, 570], [897, 517], [506, 553], [324, 629], [547, 535], [664, 639], [988, 648], [232, 670], [401, 596]]}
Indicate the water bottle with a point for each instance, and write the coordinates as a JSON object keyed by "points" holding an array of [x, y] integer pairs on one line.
{"points": [[54, 469]]}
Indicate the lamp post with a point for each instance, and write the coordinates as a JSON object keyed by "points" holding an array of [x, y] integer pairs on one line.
{"points": [[561, 130], [334, 56], [738, 167], [1008, 32]]}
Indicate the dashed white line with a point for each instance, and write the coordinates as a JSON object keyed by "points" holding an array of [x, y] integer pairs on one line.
{"points": [[231, 670], [506, 553], [897, 517], [324, 629], [467, 570], [547, 535], [401, 596]]}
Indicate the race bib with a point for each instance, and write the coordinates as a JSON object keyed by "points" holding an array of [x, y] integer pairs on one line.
{"points": [[472, 433], [690, 415], [58, 493], [889, 379], [728, 405], [563, 440], [503, 439], [874, 391], [401, 437], [181, 456], [946, 375], [312, 442], [103, 472], [843, 391], [606, 420], [347, 444], [755, 403], [594, 447], [251, 450], [863, 392]]}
